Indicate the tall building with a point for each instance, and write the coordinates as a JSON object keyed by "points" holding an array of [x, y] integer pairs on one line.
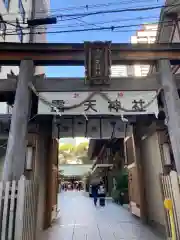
{"points": [[15, 14], [42, 8], [119, 71], [13, 17], [147, 34]]}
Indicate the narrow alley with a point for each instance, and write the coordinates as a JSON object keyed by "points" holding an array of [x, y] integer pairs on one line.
{"points": [[79, 220]]}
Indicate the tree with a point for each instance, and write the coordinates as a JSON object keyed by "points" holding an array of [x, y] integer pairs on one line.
{"points": [[68, 153], [66, 147], [82, 148], [82, 152]]}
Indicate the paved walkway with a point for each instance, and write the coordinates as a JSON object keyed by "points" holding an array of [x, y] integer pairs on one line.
{"points": [[80, 220]]}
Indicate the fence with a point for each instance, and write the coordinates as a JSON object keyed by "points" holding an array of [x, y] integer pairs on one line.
{"points": [[171, 190], [18, 207]]}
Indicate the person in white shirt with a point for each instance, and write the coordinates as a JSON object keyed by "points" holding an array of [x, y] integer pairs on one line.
{"points": [[101, 194]]}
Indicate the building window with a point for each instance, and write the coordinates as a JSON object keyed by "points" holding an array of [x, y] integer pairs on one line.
{"points": [[2, 28], [19, 31], [6, 3], [21, 10]]}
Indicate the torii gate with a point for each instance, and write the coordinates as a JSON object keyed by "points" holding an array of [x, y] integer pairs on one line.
{"points": [[97, 58]]}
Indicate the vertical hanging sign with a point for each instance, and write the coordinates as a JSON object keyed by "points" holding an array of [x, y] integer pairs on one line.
{"points": [[97, 62]]}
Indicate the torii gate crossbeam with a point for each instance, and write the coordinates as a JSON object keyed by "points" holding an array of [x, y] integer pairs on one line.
{"points": [[78, 54], [74, 53], [43, 84]]}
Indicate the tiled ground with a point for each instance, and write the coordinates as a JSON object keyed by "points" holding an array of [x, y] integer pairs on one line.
{"points": [[80, 220]]}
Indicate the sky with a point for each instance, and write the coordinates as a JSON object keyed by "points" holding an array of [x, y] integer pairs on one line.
{"points": [[75, 141], [59, 7]]}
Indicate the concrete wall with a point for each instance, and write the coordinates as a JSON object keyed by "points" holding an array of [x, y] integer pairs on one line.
{"points": [[152, 166]]}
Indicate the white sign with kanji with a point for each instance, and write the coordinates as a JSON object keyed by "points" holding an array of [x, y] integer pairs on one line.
{"points": [[115, 103]]}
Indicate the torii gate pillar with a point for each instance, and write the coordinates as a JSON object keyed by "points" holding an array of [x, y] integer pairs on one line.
{"points": [[16, 147], [172, 105]]}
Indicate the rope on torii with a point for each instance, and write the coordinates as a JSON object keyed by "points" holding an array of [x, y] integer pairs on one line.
{"points": [[103, 95]]}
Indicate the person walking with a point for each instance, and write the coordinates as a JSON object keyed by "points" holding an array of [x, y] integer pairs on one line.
{"points": [[95, 193], [102, 194]]}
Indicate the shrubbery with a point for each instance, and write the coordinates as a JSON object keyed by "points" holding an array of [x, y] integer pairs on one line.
{"points": [[120, 194]]}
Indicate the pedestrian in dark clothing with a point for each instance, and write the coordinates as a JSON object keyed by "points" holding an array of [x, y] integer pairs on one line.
{"points": [[101, 194], [95, 193]]}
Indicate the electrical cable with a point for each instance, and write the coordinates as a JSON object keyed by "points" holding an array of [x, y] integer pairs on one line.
{"points": [[89, 24], [112, 28], [81, 15], [102, 12], [85, 7], [118, 10], [83, 24]]}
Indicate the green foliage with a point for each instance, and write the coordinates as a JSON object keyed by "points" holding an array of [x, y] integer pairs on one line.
{"points": [[121, 186], [68, 152], [115, 195], [66, 147], [82, 147], [122, 180]]}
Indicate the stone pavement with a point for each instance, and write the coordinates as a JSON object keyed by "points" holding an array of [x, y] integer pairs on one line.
{"points": [[79, 220]]}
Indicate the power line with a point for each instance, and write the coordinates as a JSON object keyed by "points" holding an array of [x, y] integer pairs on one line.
{"points": [[76, 16], [81, 15], [103, 12], [59, 26], [84, 23], [85, 7], [112, 28], [147, 8]]}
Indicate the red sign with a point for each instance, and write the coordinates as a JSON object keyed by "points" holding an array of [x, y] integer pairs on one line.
{"points": [[120, 94]]}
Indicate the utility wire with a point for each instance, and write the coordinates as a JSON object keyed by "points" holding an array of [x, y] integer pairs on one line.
{"points": [[84, 24], [86, 7], [103, 12], [112, 28], [81, 15], [147, 8], [113, 11]]}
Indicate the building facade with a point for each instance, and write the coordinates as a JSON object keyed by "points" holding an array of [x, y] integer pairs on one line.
{"points": [[15, 13], [119, 71], [13, 17], [147, 35]]}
